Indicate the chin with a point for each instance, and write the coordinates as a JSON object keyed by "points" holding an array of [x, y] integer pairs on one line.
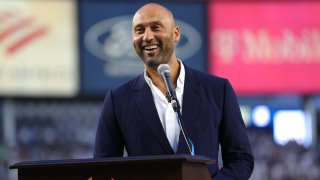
{"points": [[152, 63]]}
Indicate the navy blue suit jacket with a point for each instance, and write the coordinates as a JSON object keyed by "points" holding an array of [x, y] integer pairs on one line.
{"points": [[210, 112]]}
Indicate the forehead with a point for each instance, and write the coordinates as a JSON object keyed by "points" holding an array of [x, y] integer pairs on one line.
{"points": [[151, 14]]}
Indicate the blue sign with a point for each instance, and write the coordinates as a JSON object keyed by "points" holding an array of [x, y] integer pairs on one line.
{"points": [[107, 55]]}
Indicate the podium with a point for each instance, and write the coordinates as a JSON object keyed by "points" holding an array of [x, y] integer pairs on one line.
{"points": [[168, 167]]}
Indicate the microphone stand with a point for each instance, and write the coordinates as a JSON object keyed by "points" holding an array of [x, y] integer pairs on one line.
{"points": [[176, 107], [164, 72]]}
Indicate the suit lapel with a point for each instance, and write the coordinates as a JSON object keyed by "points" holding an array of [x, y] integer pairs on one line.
{"points": [[144, 100], [191, 103]]}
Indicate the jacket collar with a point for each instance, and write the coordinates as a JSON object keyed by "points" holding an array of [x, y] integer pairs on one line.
{"points": [[191, 99]]}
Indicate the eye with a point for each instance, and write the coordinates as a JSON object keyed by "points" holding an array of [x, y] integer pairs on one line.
{"points": [[156, 27], [139, 30]]}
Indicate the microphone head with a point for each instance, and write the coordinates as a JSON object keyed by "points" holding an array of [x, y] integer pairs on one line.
{"points": [[163, 68]]}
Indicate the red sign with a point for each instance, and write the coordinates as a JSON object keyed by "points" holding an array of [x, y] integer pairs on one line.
{"points": [[38, 55], [266, 47]]}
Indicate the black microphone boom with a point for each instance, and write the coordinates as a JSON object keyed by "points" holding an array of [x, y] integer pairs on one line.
{"points": [[164, 72]]}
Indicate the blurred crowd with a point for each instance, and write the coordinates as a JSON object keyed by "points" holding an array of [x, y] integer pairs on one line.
{"points": [[66, 130], [289, 162]]}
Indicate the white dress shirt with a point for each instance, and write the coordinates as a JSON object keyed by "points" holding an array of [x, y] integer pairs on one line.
{"points": [[166, 113]]}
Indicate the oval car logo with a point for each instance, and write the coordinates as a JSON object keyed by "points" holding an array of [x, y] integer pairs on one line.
{"points": [[111, 40]]}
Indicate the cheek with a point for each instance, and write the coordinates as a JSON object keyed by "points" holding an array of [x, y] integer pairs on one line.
{"points": [[136, 44], [137, 40]]}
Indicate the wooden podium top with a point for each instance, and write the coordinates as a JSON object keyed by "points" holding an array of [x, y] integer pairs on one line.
{"points": [[169, 167], [112, 160]]}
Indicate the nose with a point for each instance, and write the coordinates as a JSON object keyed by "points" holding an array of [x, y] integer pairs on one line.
{"points": [[148, 35]]}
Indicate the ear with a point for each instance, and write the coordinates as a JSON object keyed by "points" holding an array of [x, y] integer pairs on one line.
{"points": [[176, 34]]}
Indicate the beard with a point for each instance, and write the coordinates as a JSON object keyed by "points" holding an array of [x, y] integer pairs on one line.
{"points": [[164, 56], [153, 62]]}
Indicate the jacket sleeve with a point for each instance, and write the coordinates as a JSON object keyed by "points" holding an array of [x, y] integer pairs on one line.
{"points": [[238, 161], [109, 140]]}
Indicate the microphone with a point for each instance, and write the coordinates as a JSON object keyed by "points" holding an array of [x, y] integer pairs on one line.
{"points": [[164, 72]]}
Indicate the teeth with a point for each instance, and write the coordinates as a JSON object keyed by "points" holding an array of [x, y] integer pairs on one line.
{"points": [[150, 47]]}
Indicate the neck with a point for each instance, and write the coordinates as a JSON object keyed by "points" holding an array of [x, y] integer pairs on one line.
{"points": [[157, 79]]}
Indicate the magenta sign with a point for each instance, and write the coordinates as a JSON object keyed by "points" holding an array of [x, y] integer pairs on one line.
{"points": [[266, 47]]}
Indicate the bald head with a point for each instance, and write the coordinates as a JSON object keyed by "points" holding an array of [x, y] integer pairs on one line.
{"points": [[155, 11], [154, 35]]}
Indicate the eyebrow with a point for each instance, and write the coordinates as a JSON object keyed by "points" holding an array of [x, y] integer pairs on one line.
{"points": [[148, 23]]}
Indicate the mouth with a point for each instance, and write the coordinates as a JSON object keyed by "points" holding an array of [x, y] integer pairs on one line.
{"points": [[151, 47]]}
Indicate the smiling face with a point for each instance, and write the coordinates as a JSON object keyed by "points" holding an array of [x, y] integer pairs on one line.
{"points": [[154, 35]]}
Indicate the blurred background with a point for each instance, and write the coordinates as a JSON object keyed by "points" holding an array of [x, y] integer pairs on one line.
{"points": [[58, 58]]}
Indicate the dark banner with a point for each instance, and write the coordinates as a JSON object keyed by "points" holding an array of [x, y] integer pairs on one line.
{"points": [[106, 52], [1, 128]]}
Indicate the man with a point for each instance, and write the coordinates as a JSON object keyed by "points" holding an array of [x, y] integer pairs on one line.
{"points": [[137, 115]]}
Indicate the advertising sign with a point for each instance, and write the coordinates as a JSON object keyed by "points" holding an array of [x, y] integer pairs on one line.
{"points": [[107, 55], [266, 47], [38, 48]]}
